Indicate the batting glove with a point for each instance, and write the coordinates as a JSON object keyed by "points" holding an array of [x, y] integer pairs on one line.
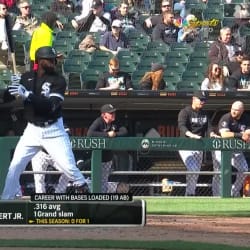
{"points": [[15, 79], [19, 90]]}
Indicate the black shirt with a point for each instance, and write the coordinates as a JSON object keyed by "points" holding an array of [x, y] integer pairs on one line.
{"points": [[236, 126], [48, 93], [166, 33], [122, 79], [99, 128], [238, 80], [196, 122]]}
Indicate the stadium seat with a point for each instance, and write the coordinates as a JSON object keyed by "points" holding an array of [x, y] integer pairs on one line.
{"points": [[127, 66], [182, 48], [80, 54], [153, 55], [74, 81], [158, 46], [188, 85], [20, 37], [5, 77], [199, 65], [175, 68], [192, 76], [199, 55], [136, 76], [63, 46], [172, 78], [128, 55], [176, 56], [72, 65], [89, 78]]}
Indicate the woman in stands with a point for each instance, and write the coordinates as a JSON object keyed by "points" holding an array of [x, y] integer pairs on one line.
{"points": [[215, 79], [153, 80]]}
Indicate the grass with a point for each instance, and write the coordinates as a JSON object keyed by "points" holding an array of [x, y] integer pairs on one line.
{"points": [[199, 206], [117, 244]]}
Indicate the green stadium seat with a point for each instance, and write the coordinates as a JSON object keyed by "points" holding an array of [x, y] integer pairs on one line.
{"points": [[199, 65], [74, 81], [158, 46], [136, 76], [127, 55], [89, 78], [177, 56], [182, 48], [188, 85]]}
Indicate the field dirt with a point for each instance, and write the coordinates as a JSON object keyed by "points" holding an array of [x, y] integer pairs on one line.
{"points": [[229, 231]]}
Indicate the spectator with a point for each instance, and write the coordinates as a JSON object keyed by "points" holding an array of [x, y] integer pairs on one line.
{"points": [[96, 21], [233, 125], [194, 123], [152, 21], [43, 35], [181, 7], [223, 50], [166, 31], [215, 78], [115, 39], [153, 80], [106, 125], [189, 33], [234, 66], [6, 41], [114, 79], [127, 19], [63, 7], [85, 6], [240, 80], [88, 44], [25, 20]]}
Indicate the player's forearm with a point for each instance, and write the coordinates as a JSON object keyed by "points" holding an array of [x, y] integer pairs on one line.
{"points": [[229, 134]]}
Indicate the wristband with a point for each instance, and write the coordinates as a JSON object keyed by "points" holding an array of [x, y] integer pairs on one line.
{"points": [[237, 135]]}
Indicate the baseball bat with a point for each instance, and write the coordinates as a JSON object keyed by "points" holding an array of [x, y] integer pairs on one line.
{"points": [[13, 57]]}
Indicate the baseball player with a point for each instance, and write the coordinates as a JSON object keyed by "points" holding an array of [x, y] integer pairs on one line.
{"points": [[234, 124], [42, 92], [40, 162], [106, 126], [193, 122]]}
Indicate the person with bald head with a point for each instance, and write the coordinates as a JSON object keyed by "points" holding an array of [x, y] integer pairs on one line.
{"points": [[234, 124]]}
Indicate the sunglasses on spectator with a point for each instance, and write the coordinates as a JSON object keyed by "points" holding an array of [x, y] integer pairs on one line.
{"points": [[115, 70], [216, 69], [115, 27], [25, 7], [165, 6]]}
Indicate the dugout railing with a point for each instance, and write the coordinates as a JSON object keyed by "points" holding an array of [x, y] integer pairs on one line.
{"points": [[141, 145]]}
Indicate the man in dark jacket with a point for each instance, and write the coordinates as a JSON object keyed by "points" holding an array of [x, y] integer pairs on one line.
{"points": [[166, 31], [6, 41], [223, 50], [240, 79], [106, 126]]}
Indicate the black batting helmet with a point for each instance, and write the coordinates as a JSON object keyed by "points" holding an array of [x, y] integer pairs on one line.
{"points": [[45, 52]]}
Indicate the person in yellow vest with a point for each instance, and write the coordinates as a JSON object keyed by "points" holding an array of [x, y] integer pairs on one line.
{"points": [[43, 35]]}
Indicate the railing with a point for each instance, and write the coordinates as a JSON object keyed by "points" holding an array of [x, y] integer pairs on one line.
{"points": [[139, 144]]}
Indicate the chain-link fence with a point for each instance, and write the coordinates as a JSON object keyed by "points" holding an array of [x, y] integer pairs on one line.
{"points": [[149, 174]]}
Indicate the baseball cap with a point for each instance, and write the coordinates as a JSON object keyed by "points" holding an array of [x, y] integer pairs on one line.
{"points": [[46, 52], [108, 108], [200, 94], [117, 23], [96, 4], [156, 67]]}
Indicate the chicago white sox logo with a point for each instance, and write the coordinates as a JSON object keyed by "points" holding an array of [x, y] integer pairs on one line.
{"points": [[46, 89]]}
